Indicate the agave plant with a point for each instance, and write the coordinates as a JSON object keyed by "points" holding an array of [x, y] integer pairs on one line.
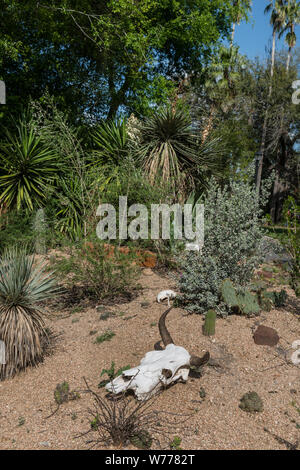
{"points": [[23, 286], [27, 167], [169, 150]]}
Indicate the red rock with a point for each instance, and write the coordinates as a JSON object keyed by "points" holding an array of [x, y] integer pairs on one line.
{"points": [[265, 336]]}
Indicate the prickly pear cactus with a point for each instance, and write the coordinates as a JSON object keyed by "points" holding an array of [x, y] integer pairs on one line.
{"points": [[39, 229], [248, 303], [228, 294], [209, 323]]}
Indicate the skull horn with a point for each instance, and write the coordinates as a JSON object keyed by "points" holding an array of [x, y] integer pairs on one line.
{"points": [[195, 361]]}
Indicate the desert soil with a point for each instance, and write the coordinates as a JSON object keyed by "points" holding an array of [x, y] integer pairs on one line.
{"points": [[216, 421]]}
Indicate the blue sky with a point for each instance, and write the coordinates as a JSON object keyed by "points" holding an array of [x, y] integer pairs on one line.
{"points": [[254, 36]]}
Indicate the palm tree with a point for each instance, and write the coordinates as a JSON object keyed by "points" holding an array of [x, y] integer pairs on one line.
{"points": [[291, 12], [241, 7], [222, 77], [277, 21]]}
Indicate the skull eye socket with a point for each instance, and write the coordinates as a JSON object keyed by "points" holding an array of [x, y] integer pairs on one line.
{"points": [[167, 373]]}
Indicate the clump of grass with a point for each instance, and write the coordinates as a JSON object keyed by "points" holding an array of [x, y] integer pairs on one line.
{"points": [[63, 394], [107, 336]]}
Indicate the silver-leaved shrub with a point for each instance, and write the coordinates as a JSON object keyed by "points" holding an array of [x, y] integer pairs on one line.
{"points": [[232, 234]]}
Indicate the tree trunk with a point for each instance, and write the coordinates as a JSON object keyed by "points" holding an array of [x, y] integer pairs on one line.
{"points": [[288, 59], [207, 129], [232, 34], [264, 133]]}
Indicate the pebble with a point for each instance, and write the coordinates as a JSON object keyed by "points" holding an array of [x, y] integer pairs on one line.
{"points": [[45, 444]]}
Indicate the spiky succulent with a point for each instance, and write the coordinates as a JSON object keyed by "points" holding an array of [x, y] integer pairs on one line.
{"points": [[23, 286]]}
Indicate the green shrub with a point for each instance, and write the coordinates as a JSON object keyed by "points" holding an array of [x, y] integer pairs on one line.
{"points": [[100, 273], [232, 234]]}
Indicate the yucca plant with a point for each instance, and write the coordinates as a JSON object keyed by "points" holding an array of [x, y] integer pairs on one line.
{"points": [[170, 151], [111, 142], [23, 286], [27, 167]]}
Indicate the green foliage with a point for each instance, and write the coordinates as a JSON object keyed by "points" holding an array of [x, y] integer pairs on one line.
{"points": [[248, 303], [98, 272], [292, 243], [111, 142], [242, 301], [107, 336], [175, 444], [28, 166], [278, 299], [24, 285], [228, 294], [112, 374], [142, 440], [62, 393], [251, 402], [15, 228], [232, 234], [209, 323], [39, 231], [169, 150]]}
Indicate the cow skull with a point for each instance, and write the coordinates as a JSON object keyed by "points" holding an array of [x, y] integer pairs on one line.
{"points": [[157, 369]]}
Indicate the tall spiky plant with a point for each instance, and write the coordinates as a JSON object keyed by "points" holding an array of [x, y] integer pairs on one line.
{"points": [[169, 151], [23, 286], [28, 166]]}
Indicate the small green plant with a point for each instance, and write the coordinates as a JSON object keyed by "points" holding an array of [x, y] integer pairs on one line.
{"points": [[112, 374], [175, 443], [21, 421], [209, 323], [142, 440], [251, 402], [107, 336], [62, 393]]}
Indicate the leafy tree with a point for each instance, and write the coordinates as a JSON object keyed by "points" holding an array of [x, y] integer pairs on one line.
{"points": [[98, 56]]}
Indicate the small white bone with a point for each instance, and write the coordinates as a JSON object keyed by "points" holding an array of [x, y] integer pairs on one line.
{"points": [[166, 294], [296, 344]]}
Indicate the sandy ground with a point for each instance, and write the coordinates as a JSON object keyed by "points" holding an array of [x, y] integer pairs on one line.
{"points": [[216, 421]]}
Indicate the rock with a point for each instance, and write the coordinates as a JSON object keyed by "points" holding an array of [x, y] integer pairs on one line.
{"points": [[149, 259], [270, 250], [265, 336], [147, 272], [251, 402], [45, 444]]}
